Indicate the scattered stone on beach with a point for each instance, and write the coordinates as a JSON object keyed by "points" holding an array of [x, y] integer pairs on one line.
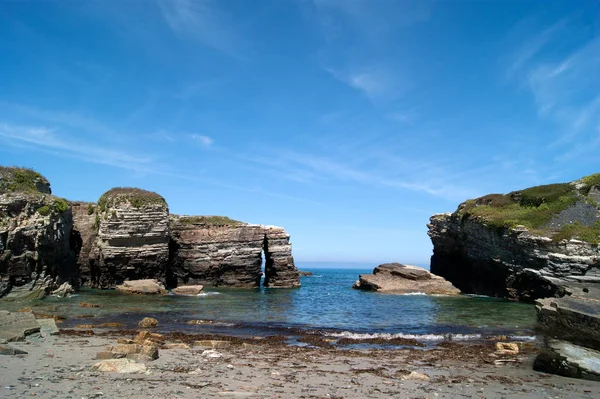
{"points": [[188, 290], [212, 354], [120, 366], [130, 351], [88, 305], [176, 345], [569, 360], [147, 322], [16, 325], [251, 346], [215, 344], [415, 376], [507, 348], [146, 337], [10, 351], [48, 327], [404, 279], [65, 290], [144, 287]]}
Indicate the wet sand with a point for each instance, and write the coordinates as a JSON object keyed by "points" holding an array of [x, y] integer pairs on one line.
{"points": [[61, 367]]}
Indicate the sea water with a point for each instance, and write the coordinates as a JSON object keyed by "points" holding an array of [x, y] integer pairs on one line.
{"points": [[326, 304]]}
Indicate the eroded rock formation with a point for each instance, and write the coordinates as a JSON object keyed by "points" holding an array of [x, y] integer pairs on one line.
{"points": [[485, 248], [133, 237], [218, 251], [46, 241], [404, 279], [37, 249]]}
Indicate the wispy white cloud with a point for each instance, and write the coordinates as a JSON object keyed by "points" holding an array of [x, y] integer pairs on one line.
{"points": [[204, 141], [529, 48], [376, 83], [205, 21], [565, 87], [51, 140]]}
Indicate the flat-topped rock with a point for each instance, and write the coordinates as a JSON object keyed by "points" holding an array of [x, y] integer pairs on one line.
{"points": [[569, 360], [574, 318], [145, 287], [404, 279], [188, 290], [14, 326]]}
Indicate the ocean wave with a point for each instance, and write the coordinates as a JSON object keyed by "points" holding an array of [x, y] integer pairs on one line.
{"points": [[208, 293], [419, 337]]}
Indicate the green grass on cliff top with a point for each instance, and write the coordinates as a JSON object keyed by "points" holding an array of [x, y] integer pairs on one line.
{"points": [[137, 197], [15, 179], [208, 221], [535, 208]]}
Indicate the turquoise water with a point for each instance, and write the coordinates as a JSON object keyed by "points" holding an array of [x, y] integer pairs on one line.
{"points": [[325, 304]]}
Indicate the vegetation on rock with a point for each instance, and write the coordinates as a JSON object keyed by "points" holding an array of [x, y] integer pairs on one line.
{"points": [[138, 198], [536, 207], [208, 221], [15, 179], [58, 205]]}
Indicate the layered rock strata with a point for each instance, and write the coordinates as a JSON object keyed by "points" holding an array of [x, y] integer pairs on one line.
{"points": [[524, 245], [571, 326], [133, 237], [404, 279], [217, 251], [509, 263], [37, 248]]}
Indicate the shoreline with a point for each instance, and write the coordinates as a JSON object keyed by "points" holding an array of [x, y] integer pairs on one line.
{"points": [[62, 366]]}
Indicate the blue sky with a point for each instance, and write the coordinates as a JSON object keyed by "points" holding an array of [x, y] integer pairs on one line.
{"points": [[347, 122]]}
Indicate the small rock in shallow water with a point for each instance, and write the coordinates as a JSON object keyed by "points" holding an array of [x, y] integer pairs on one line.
{"points": [[148, 322]]}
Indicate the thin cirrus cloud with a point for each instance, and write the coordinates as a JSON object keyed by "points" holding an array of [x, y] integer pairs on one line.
{"points": [[50, 141], [204, 141], [375, 83], [565, 87], [205, 21]]}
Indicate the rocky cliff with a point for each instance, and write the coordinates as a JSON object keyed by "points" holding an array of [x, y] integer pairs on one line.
{"points": [[218, 251], [524, 245], [37, 247], [132, 239]]}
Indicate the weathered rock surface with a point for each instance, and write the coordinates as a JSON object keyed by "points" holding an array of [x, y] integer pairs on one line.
{"points": [[142, 287], [37, 249], [148, 322], [125, 366], [404, 279], [304, 273], [188, 290], [15, 326], [217, 251], [574, 318], [133, 237], [510, 263], [569, 360]]}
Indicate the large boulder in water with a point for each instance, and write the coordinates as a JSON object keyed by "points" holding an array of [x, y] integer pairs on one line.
{"points": [[404, 279]]}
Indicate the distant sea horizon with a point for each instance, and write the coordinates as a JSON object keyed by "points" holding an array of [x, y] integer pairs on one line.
{"points": [[351, 264]]}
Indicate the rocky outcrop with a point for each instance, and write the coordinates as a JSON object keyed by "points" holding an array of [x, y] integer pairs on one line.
{"points": [[37, 248], [404, 279], [524, 245], [509, 263], [133, 237], [571, 326], [217, 251]]}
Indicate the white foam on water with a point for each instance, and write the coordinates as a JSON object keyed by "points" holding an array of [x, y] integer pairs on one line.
{"points": [[414, 293], [208, 293], [420, 337], [522, 337]]}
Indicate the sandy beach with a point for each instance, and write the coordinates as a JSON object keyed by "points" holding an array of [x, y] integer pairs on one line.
{"points": [[62, 367]]}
